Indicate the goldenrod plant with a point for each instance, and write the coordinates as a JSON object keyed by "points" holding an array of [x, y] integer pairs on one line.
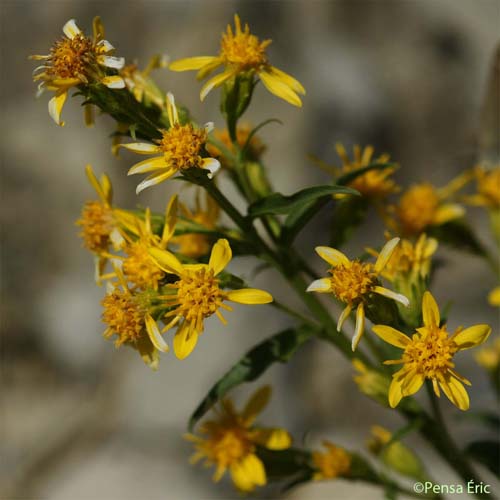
{"points": [[165, 273]]}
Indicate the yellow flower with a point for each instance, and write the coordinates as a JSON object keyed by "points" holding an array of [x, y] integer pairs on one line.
{"points": [[139, 83], [352, 282], [489, 356], [101, 223], [428, 354], [423, 205], [372, 383], [488, 188], [333, 463], [195, 245], [409, 258], [254, 150], [180, 148], [374, 184], [232, 439], [128, 316], [395, 454], [196, 294], [138, 266], [76, 60], [494, 297], [242, 52]]}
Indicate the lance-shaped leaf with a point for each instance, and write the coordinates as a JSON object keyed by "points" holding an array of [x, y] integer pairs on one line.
{"points": [[278, 348], [278, 203], [301, 214]]}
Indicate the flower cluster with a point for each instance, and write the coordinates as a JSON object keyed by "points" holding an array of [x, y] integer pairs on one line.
{"points": [[166, 274]]}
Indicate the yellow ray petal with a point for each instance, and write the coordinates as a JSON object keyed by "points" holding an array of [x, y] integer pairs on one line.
{"points": [[208, 68], [288, 80], [185, 340], [149, 165], [257, 402], [494, 297], [391, 336], [385, 254], [248, 473], [216, 81], [220, 256], [472, 336], [70, 29], [430, 310], [344, 315], [154, 334], [273, 438], [154, 179], [277, 87], [56, 105], [142, 148], [360, 326], [412, 383], [170, 220], [333, 256], [191, 63], [166, 261], [395, 392], [448, 212], [249, 296], [455, 392]]}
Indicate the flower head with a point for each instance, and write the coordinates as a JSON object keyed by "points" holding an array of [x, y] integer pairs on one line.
{"points": [[488, 188], [374, 184], [352, 282], [428, 354], [192, 244], [101, 223], [180, 148], [196, 295], [137, 265], [127, 315], [409, 258], [332, 463], [76, 60], [241, 52], [230, 442], [423, 205]]}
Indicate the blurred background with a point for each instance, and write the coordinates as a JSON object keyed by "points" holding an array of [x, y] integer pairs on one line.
{"points": [[82, 421]]}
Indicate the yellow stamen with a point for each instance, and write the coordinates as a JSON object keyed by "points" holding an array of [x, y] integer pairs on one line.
{"points": [[182, 145], [352, 280], [97, 224], [417, 208], [140, 268]]}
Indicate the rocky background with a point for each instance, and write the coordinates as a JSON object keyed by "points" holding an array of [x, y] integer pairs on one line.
{"points": [[81, 421]]}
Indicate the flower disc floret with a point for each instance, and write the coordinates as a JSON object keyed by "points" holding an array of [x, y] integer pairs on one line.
{"points": [[352, 280], [182, 145], [97, 223], [428, 355]]}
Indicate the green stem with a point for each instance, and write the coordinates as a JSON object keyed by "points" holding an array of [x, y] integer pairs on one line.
{"points": [[442, 441]]}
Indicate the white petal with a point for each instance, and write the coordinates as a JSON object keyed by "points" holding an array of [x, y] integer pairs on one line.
{"points": [[209, 126], [106, 45], [113, 82], [70, 29], [112, 62], [343, 317], [322, 285], [155, 335], [398, 297], [210, 164], [360, 326]]}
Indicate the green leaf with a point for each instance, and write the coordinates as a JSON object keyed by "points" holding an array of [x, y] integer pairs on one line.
{"points": [[487, 453], [278, 348], [280, 464], [458, 234], [345, 179], [278, 203]]}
